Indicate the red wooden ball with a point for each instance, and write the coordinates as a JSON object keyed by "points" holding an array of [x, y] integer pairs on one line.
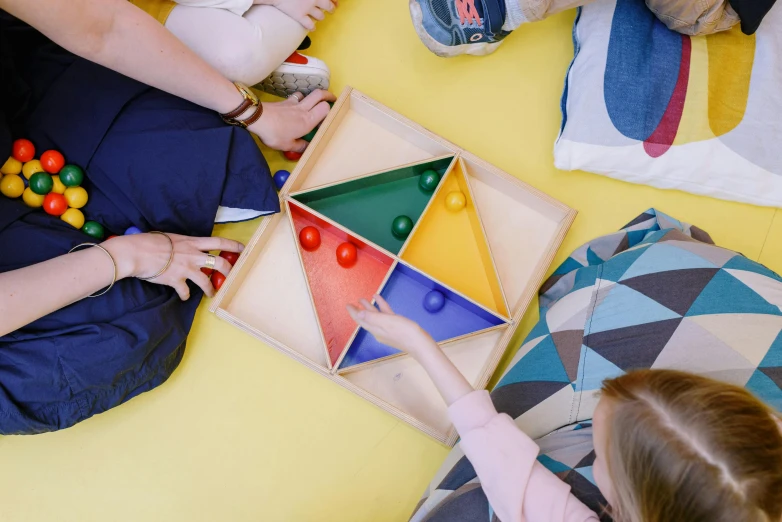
{"points": [[52, 161], [309, 237], [207, 271], [55, 204], [347, 255], [292, 156], [23, 150], [217, 280], [231, 257]]}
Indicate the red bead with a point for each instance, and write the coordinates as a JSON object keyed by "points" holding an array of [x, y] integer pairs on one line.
{"points": [[217, 280], [23, 150], [207, 271], [231, 257], [309, 237], [347, 255], [293, 156], [55, 204], [52, 161]]}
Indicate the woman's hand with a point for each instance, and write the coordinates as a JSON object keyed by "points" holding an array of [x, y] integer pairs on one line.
{"points": [[282, 124], [306, 12], [391, 329], [143, 255]]}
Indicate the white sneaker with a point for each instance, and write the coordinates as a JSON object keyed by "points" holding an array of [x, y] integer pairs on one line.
{"points": [[298, 73]]}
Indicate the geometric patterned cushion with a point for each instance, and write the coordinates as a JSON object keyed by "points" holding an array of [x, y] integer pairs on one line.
{"points": [[657, 294]]}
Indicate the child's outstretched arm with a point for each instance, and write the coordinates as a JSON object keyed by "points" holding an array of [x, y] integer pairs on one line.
{"points": [[518, 487], [403, 334]]}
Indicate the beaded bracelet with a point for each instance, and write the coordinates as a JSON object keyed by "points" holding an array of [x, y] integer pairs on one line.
{"points": [[114, 264]]}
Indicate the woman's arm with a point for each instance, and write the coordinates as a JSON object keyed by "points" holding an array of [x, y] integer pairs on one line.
{"points": [[122, 37], [32, 292]]}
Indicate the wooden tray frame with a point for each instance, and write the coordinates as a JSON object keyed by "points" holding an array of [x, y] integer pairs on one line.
{"points": [[466, 162]]}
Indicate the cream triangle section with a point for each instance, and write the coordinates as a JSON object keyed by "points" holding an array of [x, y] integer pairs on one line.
{"points": [[277, 272], [404, 384], [750, 335], [363, 139]]}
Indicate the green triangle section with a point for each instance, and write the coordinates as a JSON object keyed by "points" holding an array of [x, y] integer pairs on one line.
{"points": [[450, 245], [368, 205], [332, 286]]}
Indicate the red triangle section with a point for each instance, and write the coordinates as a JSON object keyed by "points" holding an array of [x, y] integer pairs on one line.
{"points": [[333, 286]]}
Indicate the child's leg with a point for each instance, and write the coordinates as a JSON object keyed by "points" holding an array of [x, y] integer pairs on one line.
{"points": [[521, 11], [695, 18], [244, 48]]}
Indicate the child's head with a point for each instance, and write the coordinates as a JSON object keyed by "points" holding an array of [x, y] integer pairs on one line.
{"points": [[675, 446]]}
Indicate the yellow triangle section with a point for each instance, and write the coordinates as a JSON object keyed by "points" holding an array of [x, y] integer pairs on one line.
{"points": [[452, 248]]}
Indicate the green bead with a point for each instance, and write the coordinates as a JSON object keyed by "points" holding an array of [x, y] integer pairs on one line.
{"points": [[41, 183], [94, 229], [401, 227], [71, 175], [311, 134], [429, 180]]}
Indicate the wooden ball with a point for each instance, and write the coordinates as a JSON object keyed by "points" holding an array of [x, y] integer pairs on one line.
{"points": [[309, 237], [455, 201], [429, 180], [401, 227], [434, 301], [347, 255]]}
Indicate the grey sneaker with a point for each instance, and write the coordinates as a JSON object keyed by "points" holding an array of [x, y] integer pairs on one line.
{"points": [[298, 73]]}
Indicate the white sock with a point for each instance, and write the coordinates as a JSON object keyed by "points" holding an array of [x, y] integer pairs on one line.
{"points": [[513, 15]]}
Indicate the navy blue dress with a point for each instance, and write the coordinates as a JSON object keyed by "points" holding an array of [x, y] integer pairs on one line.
{"points": [[153, 161]]}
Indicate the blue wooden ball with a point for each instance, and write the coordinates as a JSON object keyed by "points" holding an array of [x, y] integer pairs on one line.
{"points": [[133, 230], [434, 301], [280, 177]]}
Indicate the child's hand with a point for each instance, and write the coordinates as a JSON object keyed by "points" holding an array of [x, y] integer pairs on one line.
{"points": [[391, 329]]}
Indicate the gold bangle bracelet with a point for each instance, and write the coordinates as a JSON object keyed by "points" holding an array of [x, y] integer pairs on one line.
{"points": [[170, 257], [114, 264]]}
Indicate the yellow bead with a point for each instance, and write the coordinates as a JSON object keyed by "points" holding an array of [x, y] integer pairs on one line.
{"points": [[31, 167], [11, 186], [31, 199], [59, 188], [73, 217], [12, 166], [76, 197], [455, 201]]}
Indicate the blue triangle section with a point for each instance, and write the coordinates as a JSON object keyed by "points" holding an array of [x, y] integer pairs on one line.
{"points": [[540, 329], [625, 307], [552, 465], [593, 258], [614, 268], [594, 369], [542, 363], [740, 262], [586, 472], [727, 295], [661, 258], [773, 358], [585, 277], [766, 390], [635, 236]]}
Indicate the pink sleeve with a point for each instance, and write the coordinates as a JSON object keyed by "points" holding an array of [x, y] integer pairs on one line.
{"points": [[518, 487]]}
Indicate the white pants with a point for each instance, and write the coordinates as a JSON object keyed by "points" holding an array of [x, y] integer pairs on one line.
{"points": [[245, 42]]}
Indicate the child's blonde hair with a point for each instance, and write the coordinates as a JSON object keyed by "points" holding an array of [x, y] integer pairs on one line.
{"points": [[687, 448]]}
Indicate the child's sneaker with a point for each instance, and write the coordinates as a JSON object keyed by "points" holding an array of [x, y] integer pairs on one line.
{"points": [[299, 73], [453, 27]]}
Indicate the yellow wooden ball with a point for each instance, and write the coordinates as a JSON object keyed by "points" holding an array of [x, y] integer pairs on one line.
{"points": [[11, 186], [455, 201], [31, 167], [76, 197], [58, 188], [11, 166], [73, 217], [31, 199]]}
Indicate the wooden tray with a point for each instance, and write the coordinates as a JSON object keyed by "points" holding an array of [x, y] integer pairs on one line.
{"points": [[488, 259]]}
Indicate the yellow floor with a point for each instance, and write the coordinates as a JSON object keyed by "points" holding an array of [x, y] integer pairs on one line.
{"points": [[240, 432]]}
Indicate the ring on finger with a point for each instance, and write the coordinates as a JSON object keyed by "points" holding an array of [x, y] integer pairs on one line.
{"points": [[210, 262], [296, 96]]}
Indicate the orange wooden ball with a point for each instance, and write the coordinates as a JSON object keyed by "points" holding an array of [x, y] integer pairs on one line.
{"points": [[309, 237]]}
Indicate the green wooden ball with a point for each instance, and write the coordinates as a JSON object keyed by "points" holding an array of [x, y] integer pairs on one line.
{"points": [[401, 227], [429, 180], [41, 183], [94, 229], [71, 175]]}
